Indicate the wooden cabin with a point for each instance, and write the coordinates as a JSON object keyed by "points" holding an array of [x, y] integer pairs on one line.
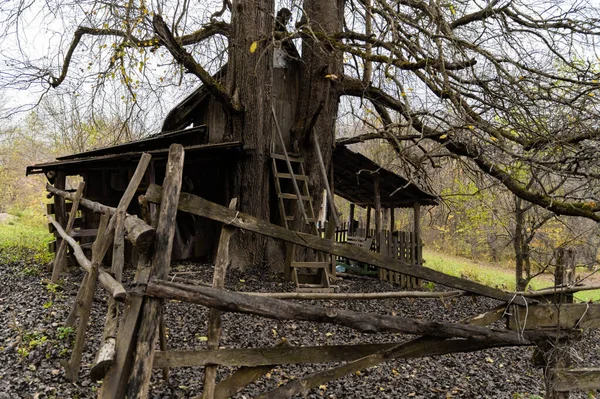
{"points": [[198, 123]]}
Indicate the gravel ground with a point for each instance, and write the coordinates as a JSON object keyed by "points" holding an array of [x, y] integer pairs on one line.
{"points": [[32, 343]]}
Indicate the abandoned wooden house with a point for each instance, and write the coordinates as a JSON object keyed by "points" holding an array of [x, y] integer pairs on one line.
{"points": [[198, 123]]}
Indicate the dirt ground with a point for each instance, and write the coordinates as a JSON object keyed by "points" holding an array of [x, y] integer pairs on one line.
{"points": [[32, 343]]}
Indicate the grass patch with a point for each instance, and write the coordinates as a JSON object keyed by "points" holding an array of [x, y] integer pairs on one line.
{"points": [[490, 274], [501, 276], [25, 239]]}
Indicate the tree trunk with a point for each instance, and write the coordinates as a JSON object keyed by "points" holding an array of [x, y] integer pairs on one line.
{"points": [[249, 81], [318, 100], [518, 243]]}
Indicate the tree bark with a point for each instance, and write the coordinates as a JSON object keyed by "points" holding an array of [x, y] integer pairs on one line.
{"points": [[249, 81], [319, 99]]}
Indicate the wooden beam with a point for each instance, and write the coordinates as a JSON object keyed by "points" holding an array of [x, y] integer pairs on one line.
{"points": [[364, 322], [254, 357], [112, 286], [138, 233], [199, 206], [552, 316], [139, 380], [583, 379]]}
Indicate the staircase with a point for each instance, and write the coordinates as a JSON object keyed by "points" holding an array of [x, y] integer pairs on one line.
{"points": [[291, 185]]}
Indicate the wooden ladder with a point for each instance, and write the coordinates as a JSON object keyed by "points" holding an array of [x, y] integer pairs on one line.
{"points": [[292, 185]]}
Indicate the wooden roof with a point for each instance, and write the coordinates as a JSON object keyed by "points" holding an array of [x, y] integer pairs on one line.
{"points": [[125, 154], [353, 180]]}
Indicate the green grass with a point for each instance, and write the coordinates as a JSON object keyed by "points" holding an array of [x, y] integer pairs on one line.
{"points": [[493, 275], [25, 239]]}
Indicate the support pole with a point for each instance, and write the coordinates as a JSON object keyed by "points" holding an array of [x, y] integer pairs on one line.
{"points": [[214, 317], [351, 220], [139, 381], [377, 213]]}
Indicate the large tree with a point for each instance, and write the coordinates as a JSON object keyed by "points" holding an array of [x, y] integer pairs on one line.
{"points": [[495, 83]]}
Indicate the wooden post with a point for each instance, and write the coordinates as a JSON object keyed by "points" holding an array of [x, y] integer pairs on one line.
{"points": [[214, 318], [377, 213], [351, 220], [418, 251], [60, 259], [60, 210], [139, 381], [557, 353], [72, 365], [368, 224], [106, 353]]}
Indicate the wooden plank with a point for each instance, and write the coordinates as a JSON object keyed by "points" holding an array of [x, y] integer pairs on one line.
{"points": [[60, 259], [552, 316], [139, 380], [214, 318], [256, 357], [582, 379], [199, 206], [311, 265]]}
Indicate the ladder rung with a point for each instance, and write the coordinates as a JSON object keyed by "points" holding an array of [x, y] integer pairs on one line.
{"points": [[291, 218], [291, 158], [312, 265], [294, 196], [288, 176]]}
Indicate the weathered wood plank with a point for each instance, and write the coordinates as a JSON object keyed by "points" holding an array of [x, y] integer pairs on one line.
{"points": [[364, 322], [60, 259], [583, 379], [199, 206], [139, 380], [551, 316], [253, 357]]}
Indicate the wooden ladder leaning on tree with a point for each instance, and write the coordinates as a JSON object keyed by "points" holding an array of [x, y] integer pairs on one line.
{"points": [[305, 212]]}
